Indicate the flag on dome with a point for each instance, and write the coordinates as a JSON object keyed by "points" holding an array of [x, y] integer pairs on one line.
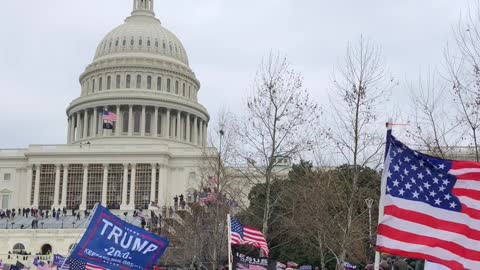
{"points": [[243, 235], [431, 208], [109, 116], [108, 119]]}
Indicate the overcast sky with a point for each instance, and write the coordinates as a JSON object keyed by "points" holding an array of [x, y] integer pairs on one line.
{"points": [[46, 44]]}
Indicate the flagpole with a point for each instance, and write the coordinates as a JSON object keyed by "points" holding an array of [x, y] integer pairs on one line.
{"points": [[229, 242], [383, 190]]}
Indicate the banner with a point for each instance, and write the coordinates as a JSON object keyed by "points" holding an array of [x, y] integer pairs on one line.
{"points": [[112, 243], [244, 262]]}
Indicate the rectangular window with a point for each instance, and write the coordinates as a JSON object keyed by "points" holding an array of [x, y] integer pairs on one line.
{"points": [[100, 84], [149, 82], [109, 82], [159, 83], [93, 85], [7, 176], [117, 82], [5, 201], [168, 85]]}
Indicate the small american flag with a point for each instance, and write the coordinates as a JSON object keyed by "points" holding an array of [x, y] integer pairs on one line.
{"points": [[243, 235], [431, 208], [109, 116], [211, 197], [79, 265]]}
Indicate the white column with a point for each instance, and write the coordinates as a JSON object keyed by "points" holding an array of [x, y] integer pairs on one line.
{"points": [[105, 184], [69, 130], [200, 132], [85, 123], [29, 178], [142, 121], [205, 135], [195, 130], [83, 205], [153, 182], [64, 186], [79, 135], [132, 186], [154, 131], [179, 135], [124, 187], [118, 123], [95, 123], [72, 129], [56, 192], [167, 124], [162, 185], [37, 186], [188, 135], [130, 120], [100, 122]]}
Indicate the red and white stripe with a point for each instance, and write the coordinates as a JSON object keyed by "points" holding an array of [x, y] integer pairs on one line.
{"points": [[93, 267], [252, 237], [419, 231]]}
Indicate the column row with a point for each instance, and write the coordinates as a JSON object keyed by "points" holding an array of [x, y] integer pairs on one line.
{"points": [[80, 186], [142, 121]]}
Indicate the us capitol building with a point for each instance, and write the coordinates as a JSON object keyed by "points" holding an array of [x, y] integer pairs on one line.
{"points": [[155, 151]]}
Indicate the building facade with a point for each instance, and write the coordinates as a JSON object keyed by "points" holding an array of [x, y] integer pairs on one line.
{"points": [[155, 150]]}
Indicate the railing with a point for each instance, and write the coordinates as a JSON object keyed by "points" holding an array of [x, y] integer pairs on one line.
{"points": [[27, 260]]}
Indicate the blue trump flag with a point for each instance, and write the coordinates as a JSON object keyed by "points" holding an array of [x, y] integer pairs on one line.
{"points": [[112, 243]]}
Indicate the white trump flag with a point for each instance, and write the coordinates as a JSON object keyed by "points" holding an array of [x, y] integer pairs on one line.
{"points": [[434, 266]]}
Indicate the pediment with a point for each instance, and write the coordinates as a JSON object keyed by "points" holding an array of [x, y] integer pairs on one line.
{"points": [[3, 191]]}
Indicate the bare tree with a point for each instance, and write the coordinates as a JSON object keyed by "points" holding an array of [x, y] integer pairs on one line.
{"points": [[463, 64], [280, 124], [360, 86], [432, 125]]}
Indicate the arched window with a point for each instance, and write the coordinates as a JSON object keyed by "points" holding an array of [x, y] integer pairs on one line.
{"points": [[127, 84], [139, 81], [171, 50], [125, 122], [159, 83], [148, 123], [183, 89], [164, 46], [148, 43], [110, 45], [116, 43], [93, 86], [100, 84], [117, 82], [168, 85], [189, 91], [176, 87], [124, 42], [149, 82], [140, 42], [136, 123], [109, 82], [156, 43], [132, 42], [19, 247]]}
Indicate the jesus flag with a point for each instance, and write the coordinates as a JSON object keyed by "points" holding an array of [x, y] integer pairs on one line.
{"points": [[112, 243], [431, 208]]}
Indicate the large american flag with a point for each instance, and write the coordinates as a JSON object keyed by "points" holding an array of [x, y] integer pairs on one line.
{"points": [[431, 208], [243, 235]]}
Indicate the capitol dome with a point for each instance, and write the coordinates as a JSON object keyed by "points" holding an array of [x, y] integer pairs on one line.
{"points": [[140, 73], [142, 33]]}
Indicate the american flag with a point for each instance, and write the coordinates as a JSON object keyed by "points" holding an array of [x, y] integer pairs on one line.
{"points": [[431, 208], [109, 116], [79, 265], [210, 198], [243, 235]]}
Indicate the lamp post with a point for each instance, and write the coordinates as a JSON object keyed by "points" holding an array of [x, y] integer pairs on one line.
{"points": [[369, 202], [217, 191]]}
